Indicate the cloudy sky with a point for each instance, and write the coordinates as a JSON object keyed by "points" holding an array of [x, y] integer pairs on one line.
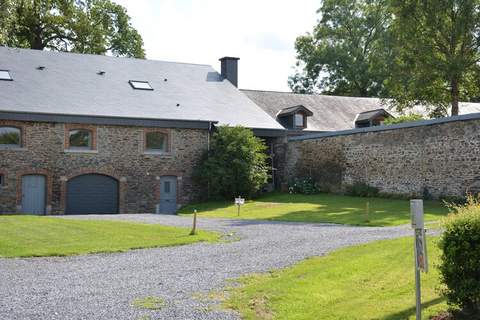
{"points": [[261, 32]]}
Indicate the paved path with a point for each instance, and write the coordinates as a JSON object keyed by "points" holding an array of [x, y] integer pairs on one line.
{"points": [[102, 286]]}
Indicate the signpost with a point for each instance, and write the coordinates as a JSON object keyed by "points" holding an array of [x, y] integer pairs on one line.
{"points": [[420, 248], [239, 202]]}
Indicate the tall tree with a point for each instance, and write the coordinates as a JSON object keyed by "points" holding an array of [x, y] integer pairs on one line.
{"points": [[346, 53], [437, 52], [84, 26]]}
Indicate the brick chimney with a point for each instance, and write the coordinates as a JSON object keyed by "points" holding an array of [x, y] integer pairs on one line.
{"points": [[229, 67]]}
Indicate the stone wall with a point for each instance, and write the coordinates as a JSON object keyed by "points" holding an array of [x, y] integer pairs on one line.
{"points": [[119, 153], [441, 158]]}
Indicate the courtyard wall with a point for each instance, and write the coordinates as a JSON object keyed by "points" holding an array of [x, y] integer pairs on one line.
{"points": [[440, 157]]}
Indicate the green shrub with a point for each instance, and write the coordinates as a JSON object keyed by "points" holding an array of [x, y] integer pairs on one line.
{"points": [[361, 189], [453, 200], [303, 186], [235, 165], [460, 263], [403, 118]]}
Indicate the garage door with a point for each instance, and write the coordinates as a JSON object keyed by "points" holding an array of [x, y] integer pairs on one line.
{"points": [[92, 194]]}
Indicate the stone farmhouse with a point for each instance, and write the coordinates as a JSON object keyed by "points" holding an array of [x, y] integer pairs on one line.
{"points": [[95, 134]]}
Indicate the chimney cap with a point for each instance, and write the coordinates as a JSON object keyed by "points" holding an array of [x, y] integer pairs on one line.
{"points": [[229, 58]]}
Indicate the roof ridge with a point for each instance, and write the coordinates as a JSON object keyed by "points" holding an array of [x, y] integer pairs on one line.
{"points": [[99, 55], [309, 94]]}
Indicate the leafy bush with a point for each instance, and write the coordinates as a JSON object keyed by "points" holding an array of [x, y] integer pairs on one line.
{"points": [[460, 266], [303, 186], [236, 164], [454, 200], [361, 189], [403, 118]]}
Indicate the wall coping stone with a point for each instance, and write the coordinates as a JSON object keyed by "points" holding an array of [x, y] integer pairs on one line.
{"points": [[405, 125]]}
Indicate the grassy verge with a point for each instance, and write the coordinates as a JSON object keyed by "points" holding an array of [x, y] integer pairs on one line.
{"points": [[320, 208], [372, 281], [28, 236]]}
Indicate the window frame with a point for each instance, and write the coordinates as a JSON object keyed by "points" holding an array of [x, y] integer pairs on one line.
{"points": [[165, 133], [10, 78], [20, 137], [133, 85], [93, 138], [295, 120]]}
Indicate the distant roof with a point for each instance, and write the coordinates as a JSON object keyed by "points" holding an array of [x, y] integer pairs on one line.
{"points": [[291, 110], [369, 115], [46, 82], [330, 113]]}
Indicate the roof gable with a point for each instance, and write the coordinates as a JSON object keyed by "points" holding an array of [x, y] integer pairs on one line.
{"points": [[295, 109]]}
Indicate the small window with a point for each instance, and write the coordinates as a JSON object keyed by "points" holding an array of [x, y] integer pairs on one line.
{"points": [[299, 120], [10, 136], [80, 139], [2, 180], [140, 85], [166, 186], [156, 141], [5, 75]]}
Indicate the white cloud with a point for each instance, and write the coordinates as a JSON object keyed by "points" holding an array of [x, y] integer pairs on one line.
{"points": [[261, 32]]}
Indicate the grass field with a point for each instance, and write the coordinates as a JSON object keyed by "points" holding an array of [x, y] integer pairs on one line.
{"points": [[372, 281], [319, 208], [27, 236]]}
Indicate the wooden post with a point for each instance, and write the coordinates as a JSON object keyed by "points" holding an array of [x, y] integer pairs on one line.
{"points": [[194, 229]]}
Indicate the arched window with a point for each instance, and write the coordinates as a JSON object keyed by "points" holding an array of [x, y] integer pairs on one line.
{"points": [[10, 137], [156, 141], [80, 139]]}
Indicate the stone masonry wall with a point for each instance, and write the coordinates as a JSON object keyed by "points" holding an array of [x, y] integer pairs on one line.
{"points": [[119, 153], [442, 158]]}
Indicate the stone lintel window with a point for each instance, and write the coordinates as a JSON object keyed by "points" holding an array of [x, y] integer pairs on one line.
{"points": [[10, 137], [80, 138], [157, 141]]}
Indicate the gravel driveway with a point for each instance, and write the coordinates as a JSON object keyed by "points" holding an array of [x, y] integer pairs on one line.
{"points": [[102, 286]]}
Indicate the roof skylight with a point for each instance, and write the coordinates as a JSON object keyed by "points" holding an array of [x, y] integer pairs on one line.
{"points": [[140, 85], [5, 75]]}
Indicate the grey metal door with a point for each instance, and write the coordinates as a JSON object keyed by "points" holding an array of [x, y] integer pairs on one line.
{"points": [[92, 194], [33, 194], [168, 195]]}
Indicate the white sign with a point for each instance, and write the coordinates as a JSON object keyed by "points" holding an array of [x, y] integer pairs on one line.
{"points": [[239, 201], [416, 211]]}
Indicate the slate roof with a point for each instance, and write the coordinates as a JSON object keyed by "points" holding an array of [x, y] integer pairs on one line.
{"points": [[330, 113], [72, 84]]}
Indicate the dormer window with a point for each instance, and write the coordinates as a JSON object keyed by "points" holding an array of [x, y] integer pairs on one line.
{"points": [[371, 118], [5, 75], [140, 85], [294, 117], [299, 120]]}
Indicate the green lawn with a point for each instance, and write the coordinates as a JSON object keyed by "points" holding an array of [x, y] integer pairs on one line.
{"points": [[372, 281], [27, 236], [320, 208]]}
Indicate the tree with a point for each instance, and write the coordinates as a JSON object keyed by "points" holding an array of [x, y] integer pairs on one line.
{"points": [[347, 51], [83, 26], [234, 165], [437, 52]]}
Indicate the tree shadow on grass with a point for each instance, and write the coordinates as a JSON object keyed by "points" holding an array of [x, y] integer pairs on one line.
{"points": [[405, 314]]}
